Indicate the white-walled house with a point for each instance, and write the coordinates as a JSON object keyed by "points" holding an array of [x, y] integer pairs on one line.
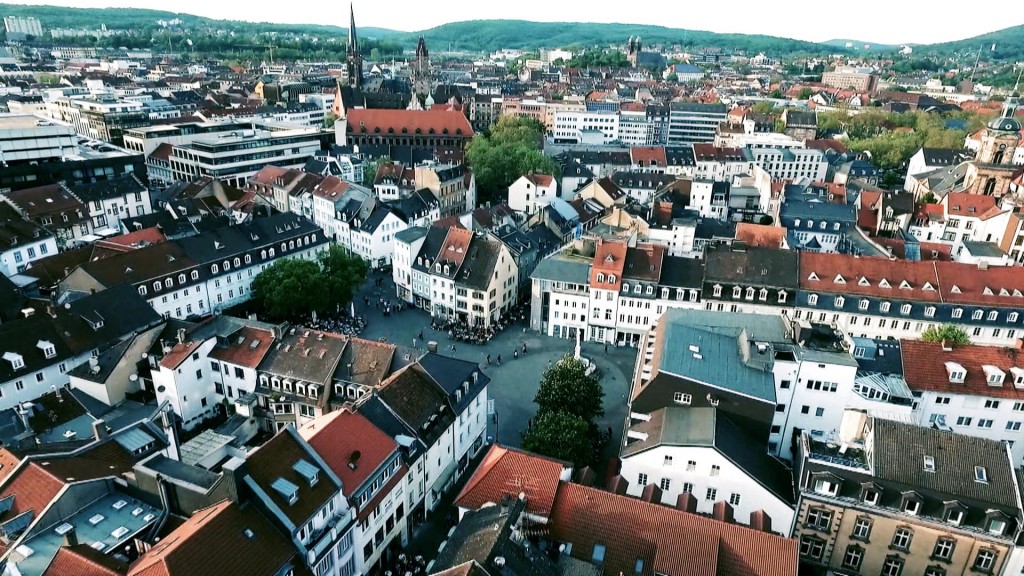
{"points": [[532, 192], [22, 242], [700, 451]]}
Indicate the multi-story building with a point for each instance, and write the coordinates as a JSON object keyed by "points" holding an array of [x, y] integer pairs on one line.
{"points": [[703, 453], [110, 201], [200, 274], [792, 163], [18, 27], [373, 477], [461, 276], [104, 118], [969, 389], [586, 127], [435, 128], [887, 497], [691, 122], [532, 192], [300, 493], [846, 78], [22, 242], [236, 156], [720, 164]]}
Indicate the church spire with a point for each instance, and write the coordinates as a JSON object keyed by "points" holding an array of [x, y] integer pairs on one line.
{"points": [[353, 42], [354, 60]]}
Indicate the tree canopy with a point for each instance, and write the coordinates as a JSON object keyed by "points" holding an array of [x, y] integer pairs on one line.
{"points": [[948, 333], [292, 288], [510, 150], [568, 401]]}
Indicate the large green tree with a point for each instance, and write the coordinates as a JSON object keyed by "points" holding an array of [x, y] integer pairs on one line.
{"points": [[510, 150], [566, 387], [292, 288], [561, 435]]}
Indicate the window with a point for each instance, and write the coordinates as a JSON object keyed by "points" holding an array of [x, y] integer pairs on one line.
{"points": [[642, 479], [598, 555], [812, 547], [737, 292], [812, 300], [980, 474], [905, 309], [964, 420], [934, 571], [734, 499], [1013, 425], [687, 488], [958, 312], [682, 398], [885, 306], [711, 494], [863, 304], [901, 539], [691, 465], [893, 566], [996, 526], [819, 519], [912, 507], [716, 469], [984, 423], [985, 560], [666, 484], [853, 557], [862, 528], [944, 549], [840, 301]]}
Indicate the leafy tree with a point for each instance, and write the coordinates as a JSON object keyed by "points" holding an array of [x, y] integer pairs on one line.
{"points": [[290, 289], [805, 93], [566, 387], [673, 77], [509, 151], [763, 108], [776, 93], [561, 435], [370, 170], [343, 273], [329, 120], [948, 333]]}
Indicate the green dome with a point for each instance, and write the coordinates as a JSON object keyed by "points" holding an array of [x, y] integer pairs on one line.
{"points": [[1004, 124]]}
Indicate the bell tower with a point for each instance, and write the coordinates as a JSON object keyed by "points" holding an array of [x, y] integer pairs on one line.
{"points": [[354, 58]]}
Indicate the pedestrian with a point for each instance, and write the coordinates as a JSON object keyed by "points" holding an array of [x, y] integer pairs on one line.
{"points": [[413, 342], [605, 347], [488, 359], [453, 347], [421, 334], [499, 359], [515, 353]]}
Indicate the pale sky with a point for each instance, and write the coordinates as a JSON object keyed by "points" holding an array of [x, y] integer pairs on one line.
{"points": [[882, 21]]}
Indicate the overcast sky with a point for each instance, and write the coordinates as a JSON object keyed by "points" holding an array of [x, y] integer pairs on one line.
{"points": [[882, 21]]}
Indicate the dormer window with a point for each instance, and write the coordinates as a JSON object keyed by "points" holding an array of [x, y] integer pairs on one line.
{"points": [[16, 360], [839, 301], [863, 304], [870, 496], [996, 525], [308, 471], [956, 372], [717, 290], [993, 376], [287, 490], [911, 503], [737, 292], [953, 512], [884, 307], [625, 287], [826, 485], [47, 347], [1018, 377]]}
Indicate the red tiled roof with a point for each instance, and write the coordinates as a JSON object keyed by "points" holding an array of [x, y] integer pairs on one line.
{"points": [[850, 270], [33, 488], [268, 174], [240, 350], [83, 560], [669, 541], [456, 244], [343, 436], [964, 204], [133, 240], [380, 121], [8, 462], [178, 354], [609, 258], [509, 472], [216, 541], [542, 180], [162, 152], [924, 367], [867, 218], [759, 235], [331, 187], [648, 155], [827, 144], [967, 284]]}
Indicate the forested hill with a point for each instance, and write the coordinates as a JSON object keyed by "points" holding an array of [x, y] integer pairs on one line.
{"points": [[476, 35]]}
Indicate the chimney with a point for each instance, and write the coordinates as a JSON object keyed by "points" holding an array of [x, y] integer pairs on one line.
{"points": [[99, 429], [172, 434], [651, 493], [722, 512], [946, 346], [586, 476], [70, 538], [618, 485], [181, 335], [353, 459], [759, 520], [687, 503]]}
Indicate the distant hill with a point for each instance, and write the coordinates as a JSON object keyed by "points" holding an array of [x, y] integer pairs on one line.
{"points": [[1009, 43], [487, 35], [859, 44], [136, 18]]}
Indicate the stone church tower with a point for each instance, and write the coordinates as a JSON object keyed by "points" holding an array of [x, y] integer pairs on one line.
{"points": [[422, 81], [353, 57], [992, 171]]}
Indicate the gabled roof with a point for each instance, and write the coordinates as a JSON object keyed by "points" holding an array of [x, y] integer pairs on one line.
{"points": [[760, 235], [508, 472], [924, 368], [415, 398], [221, 539], [84, 560], [275, 461], [670, 542], [542, 180], [246, 347], [350, 444], [410, 122]]}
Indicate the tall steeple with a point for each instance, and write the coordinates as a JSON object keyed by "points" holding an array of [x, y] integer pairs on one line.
{"points": [[354, 60]]}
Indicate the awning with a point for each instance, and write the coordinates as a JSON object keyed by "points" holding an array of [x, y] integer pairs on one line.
{"points": [[446, 475]]}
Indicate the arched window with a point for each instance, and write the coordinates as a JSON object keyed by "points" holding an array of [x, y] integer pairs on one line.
{"points": [[156, 286], [737, 292], [271, 253], [248, 259], [214, 268], [600, 277], [263, 254], [238, 262], [226, 265], [611, 278], [167, 283], [142, 290], [195, 274], [181, 278]]}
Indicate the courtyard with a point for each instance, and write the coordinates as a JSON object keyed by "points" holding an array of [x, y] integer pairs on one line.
{"points": [[513, 384]]}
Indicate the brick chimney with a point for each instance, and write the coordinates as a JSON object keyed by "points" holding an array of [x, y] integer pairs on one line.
{"points": [[618, 485], [759, 520], [723, 512], [586, 476], [652, 494], [687, 503]]}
